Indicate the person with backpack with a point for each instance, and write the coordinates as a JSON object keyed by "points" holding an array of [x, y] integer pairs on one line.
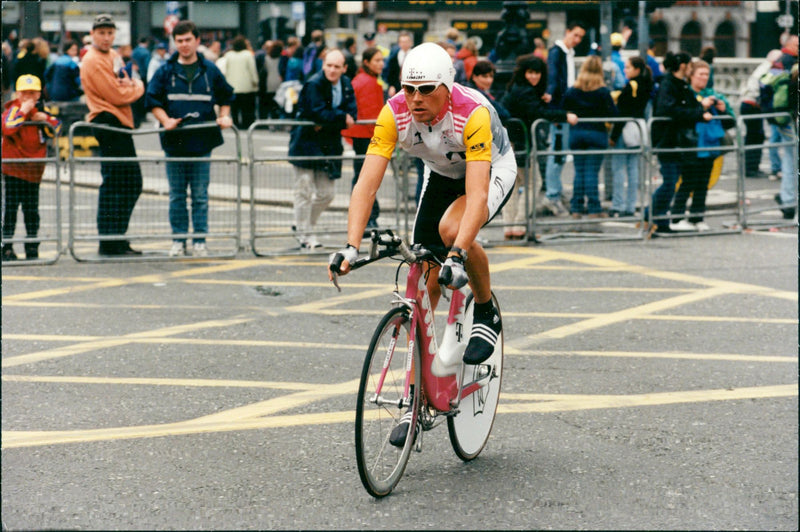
{"points": [[775, 99]]}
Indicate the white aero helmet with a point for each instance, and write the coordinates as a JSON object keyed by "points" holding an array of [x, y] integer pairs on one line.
{"points": [[429, 62]]}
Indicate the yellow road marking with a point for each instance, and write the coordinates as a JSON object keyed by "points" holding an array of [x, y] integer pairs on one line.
{"points": [[139, 381], [105, 343], [616, 317], [243, 419]]}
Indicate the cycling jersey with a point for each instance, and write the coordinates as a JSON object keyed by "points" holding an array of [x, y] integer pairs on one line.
{"points": [[468, 129]]}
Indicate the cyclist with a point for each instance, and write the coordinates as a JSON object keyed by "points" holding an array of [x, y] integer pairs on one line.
{"points": [[470, 172]]}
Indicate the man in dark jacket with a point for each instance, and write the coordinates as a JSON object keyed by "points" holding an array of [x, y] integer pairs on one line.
{"points": [[561, 76], [185, 90], [328, 100]]}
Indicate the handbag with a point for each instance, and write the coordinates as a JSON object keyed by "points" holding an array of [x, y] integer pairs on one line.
{"points": [[631, 135]]}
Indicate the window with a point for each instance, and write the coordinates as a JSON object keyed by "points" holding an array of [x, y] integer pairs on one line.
{"points": [[659, 34], [725, 39], [692, 38]]}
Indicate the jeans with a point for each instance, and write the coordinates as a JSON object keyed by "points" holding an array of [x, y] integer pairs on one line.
{"points": [[788, 161], [194, 175], [559, 140], [587, 169], [774, 153], [622, 164], [662, 197], [754, 135]]}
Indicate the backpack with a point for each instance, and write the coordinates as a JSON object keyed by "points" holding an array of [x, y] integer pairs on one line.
{"points": [[774, 95]]}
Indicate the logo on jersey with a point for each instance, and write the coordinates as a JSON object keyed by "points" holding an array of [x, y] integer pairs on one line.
{"points": [[477, 147]]}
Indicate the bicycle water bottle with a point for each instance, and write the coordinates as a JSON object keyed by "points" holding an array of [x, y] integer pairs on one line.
{"points": [[451, 351]]}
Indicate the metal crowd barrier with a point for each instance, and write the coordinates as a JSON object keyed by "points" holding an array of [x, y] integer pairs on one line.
{"points": [[271, 192], [49, 207], [758, 197], [149, 225], [583, 229]]}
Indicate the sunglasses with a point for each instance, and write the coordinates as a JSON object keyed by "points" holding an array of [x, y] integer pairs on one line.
{"points": [[424, 89]]}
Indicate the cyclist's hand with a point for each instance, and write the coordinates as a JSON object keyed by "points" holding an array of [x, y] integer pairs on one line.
{"points": [[339, 262], [453, 274]]}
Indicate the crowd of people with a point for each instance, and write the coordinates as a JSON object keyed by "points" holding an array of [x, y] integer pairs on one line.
{"points": [[342, 90]]}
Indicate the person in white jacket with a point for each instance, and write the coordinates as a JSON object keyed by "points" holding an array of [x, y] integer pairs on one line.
{"points": [[240, 72], [754, 128]]}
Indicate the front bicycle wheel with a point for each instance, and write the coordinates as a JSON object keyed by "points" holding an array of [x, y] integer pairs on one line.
{"points": [[378, 411], [470, 428]]}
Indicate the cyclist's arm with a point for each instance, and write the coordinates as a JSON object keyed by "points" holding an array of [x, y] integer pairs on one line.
{"points": [[478, 137], [376, 161]]}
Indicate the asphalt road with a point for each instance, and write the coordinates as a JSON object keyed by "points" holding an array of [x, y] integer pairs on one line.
{"points": [[648, 385]]}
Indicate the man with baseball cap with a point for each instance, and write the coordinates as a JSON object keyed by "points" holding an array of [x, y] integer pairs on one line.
{"points": [[470, 172], [109, 99]]}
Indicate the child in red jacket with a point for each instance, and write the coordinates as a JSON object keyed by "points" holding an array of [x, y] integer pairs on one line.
{"points": [[21, 141]]}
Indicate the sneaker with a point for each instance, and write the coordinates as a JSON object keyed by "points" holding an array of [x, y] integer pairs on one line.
{"points": [[483, 338], [199, 249], [702, 226], [31, 251], [683, 225], [178, 249], [399, 434], [8, 253], [556, 208], [788, 212], [309, 244]]}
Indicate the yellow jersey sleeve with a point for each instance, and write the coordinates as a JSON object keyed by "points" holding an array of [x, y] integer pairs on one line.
{"points": [[478, 136], [385, 136]]}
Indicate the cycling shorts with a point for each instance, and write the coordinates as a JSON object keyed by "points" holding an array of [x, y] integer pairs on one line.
{"points": [[439, 192]]}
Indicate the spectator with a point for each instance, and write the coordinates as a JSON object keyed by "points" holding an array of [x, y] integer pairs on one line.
{"points": [[708, 54], [696, 169], [109, 99], [157, 60], [789, 50], [787, 59], [749, 96], [787, 198], [481, 80], [369, 41], [5, 70], [617, 43], [391, 72], [469, 55], [169, 98], [291, 65], [539, 48], [561, 76], [453, 36], [369, 100], [132, 69], [63, 77], [525, 99], [312, 55], [141, 56], [29, 61], [269, 80], [349, 52], [588, 98], [676, 101], [458, 64], [328, 100], [240, 71], [21, 180], [631, 103]]}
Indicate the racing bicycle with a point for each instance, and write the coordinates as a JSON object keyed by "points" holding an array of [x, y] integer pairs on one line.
{"points": [[407, 372]]}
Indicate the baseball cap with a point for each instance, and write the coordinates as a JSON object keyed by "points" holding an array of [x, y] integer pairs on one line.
{"points": [[616, 39], [369, 36], [161, 46], [28, 83], [429, 62], [103, 20]]}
